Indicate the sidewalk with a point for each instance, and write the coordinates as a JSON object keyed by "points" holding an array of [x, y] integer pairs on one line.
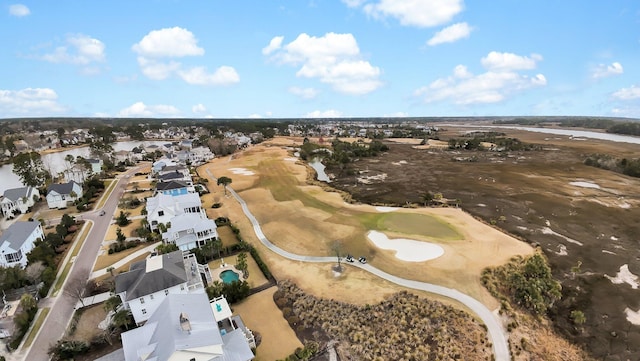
{"points": [[92, 300], [122, 262]]}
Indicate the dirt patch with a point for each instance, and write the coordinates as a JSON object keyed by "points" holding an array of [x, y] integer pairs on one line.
{"points": [[547, 198]]}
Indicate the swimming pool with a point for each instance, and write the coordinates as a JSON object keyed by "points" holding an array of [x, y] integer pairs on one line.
{"points": [[229, 276]]}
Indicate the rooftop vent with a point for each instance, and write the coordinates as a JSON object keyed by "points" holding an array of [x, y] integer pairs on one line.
{"points": [[185, 325]]}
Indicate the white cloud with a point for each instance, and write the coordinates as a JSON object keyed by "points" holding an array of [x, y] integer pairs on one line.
{"points": [[79, 49], [450, 34], [29, 102], [509, 61], [19, 10], [331, 113], [198, 109], [158, 47], [492, 86], [224, 75], [157, 70], [603, 70], [274, 45], [168, 42], [304, 93], [333, 59], [140, 109], [419, 13], [353, 3], [633, 92], [254, 116]]}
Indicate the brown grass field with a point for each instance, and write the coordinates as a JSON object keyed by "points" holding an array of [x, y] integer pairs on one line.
{"points": [[260, 313], [306, 219]]}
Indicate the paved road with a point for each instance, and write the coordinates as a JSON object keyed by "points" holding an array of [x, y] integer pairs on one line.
{"points": [[62, 309], [496, 331]]}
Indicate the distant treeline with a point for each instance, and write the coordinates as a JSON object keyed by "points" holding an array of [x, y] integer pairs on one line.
{"points": [[473, 141], [630, 167], [611, 125]]}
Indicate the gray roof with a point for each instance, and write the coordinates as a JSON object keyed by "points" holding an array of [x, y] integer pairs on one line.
{"points": [[162, 335], [171, 175], [15, 194], [64, 188], [138, 282], [17, 233], [164, 186]]}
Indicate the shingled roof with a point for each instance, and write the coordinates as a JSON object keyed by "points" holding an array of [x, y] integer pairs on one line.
{"points": [[17, 233], [152, 275], [64, 188], [165, 186]]}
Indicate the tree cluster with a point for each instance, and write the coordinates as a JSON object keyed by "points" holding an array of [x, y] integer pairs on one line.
{"points": [[630, 167], [527, 282]]}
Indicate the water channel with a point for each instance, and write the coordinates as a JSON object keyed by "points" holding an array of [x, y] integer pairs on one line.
{"points": [[55, 161]]}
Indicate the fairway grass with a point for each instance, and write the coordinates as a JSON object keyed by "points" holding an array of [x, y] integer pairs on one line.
{"points": [[307, 220], [410, 224]]}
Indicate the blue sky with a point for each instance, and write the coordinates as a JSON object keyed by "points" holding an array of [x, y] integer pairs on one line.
{"points": [[319, 58]]}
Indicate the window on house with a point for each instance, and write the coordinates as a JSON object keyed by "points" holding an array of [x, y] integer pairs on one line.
{"points": [[151, 297], [181, 287], [160, 213], [144, 311], [166, 292], [142, 300]]}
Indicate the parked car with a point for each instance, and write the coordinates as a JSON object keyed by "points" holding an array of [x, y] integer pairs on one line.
{"points": [[349, 258], [102, 213], [362, 260]]}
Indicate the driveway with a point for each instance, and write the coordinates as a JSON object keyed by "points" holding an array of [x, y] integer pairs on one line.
{"points": [[497, 334], [62, 309]]}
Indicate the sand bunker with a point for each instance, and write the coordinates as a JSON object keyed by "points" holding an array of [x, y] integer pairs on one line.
{"points": [[241, 171], [386, 209], [585, 185], [632, 316], [625, 276], [406, 249]]}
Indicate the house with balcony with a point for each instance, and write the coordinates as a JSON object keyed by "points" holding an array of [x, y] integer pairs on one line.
{"points": [[162, 208], [188, 231], [18, 200], [148, 282], [175, 188], [184, 327], [63, 195], [18, 240]]}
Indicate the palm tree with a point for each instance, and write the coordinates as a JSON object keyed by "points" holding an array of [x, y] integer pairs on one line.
{"points": [[121, 318], [224, 181], [427, 198]]}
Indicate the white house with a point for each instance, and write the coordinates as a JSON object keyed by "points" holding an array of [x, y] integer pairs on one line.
{"points": [[162, 208], [189, 231], [96, 165], [18, 200], [17, 240], [183, 327], [150, 281], [61, 195]]}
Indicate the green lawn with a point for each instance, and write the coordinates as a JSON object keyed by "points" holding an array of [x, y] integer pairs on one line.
{"points": [[36, 326], [410, 223]]}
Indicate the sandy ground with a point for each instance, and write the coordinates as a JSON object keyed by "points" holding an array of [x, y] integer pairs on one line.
{"points": [[408, 250], [307, 219], [260, 313]]}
